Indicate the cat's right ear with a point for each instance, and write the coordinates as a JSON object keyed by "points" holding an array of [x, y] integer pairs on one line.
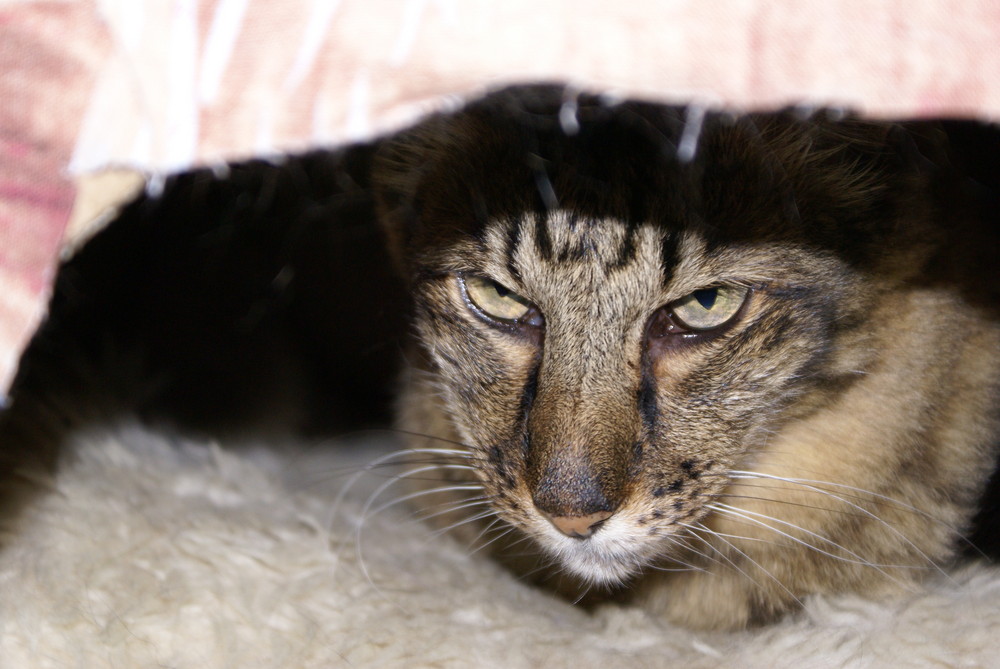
{"points": [[400, 172], [395, 178]]}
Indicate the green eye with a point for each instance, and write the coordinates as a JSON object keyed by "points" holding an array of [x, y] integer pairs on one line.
{"points": [[494, 300], [709, 308]]}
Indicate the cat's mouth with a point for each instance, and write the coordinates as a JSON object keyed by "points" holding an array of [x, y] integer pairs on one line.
{"points": [[610, 556]]}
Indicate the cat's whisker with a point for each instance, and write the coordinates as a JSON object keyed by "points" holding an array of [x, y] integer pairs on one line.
{"points": [[534, 552], [826, 509], [756, 564], [396, 479], [367, 512], [755, 519], [809, 485], [464, 450], [471, 519], [418, 494], [853, 559], [453, 507], [862, 562], [391, 470], [862, 494], [694, 531], [785, 502], [390, 459], [586, 591], [684, 543], [502, 532], [805, 487], [487, 529], [501, 529], [545, 564], [685, 566], [367, 508]]}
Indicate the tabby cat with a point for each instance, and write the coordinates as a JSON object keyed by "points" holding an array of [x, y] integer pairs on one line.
{"points": [[713, 362]]}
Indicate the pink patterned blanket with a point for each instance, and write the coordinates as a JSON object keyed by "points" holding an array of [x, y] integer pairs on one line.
{"points": [[164, 84]]}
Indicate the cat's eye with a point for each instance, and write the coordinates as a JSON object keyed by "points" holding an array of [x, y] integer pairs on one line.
{"points": [[496, 301], [708, 308]]}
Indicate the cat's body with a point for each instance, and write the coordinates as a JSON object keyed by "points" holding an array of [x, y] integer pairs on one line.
{"points": [[830, 430], [717, 363]]}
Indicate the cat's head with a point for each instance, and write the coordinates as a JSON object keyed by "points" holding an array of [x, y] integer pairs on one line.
{"points": [[621, 302]]}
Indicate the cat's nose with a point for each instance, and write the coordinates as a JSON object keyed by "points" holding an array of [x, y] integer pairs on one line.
{"points": [[578, 527], [573, 498]]}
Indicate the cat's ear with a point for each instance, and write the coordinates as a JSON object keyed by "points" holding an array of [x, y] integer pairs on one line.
{"points": [[395, 178], [435, 169], [840, 149], [400, 173]]}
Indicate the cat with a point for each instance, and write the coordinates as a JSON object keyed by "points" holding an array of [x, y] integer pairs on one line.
{"points": [[712, 363]]}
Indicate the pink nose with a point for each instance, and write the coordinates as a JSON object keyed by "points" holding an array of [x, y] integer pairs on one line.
{"points": [[578, 527]]}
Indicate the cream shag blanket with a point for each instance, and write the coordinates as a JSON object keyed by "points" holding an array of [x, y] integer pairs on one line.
{"points": [[155, 551]]}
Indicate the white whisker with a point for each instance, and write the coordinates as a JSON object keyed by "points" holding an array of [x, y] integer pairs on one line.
{"points": [[808, 485], [452, 507], [683, 542], [491, 527], [367, 512], [471, 519], [694, 529], [389, 458], [751, 560], [753, 517], [420, 493]]}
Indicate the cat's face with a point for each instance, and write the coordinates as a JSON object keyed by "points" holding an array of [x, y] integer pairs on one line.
{"points": [[619, 329], [604, 399]]}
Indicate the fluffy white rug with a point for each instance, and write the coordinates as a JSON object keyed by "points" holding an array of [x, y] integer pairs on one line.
{"points": [[158, 552]]}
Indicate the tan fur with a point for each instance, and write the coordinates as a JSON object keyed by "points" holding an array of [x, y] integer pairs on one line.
{"points": [[834, 437]]}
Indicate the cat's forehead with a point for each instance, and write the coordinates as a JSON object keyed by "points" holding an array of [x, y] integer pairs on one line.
{"points": [[578, 190], [563, 236], [508, 167], [573, 252]]}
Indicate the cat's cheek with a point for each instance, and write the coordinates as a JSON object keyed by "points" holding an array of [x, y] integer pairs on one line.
{"points": [[670, 366], [483, 377]]}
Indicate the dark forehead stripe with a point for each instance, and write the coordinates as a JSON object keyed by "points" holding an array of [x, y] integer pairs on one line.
{"points": [[626, 253], [669, 255], [574, 250], [513, 240], [543, 243]]}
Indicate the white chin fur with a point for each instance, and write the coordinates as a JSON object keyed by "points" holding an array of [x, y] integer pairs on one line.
{"points": [[603, 559], [596, 566]]}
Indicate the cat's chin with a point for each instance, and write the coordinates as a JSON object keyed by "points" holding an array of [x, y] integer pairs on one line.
{"points": [[598, 568], [597, 560]]}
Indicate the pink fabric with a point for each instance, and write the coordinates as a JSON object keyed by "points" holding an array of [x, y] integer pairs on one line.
{"points": [[46, 72], [164, 84]]}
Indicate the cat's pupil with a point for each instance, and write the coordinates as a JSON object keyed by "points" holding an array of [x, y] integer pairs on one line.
{"points": [[706, 297], [501, 291]]}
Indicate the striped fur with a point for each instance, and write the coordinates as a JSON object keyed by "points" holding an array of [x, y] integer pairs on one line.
{"points": [[834, 436]]}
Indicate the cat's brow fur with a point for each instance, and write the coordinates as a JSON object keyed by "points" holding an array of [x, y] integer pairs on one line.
{"points": [[834, 438]]}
